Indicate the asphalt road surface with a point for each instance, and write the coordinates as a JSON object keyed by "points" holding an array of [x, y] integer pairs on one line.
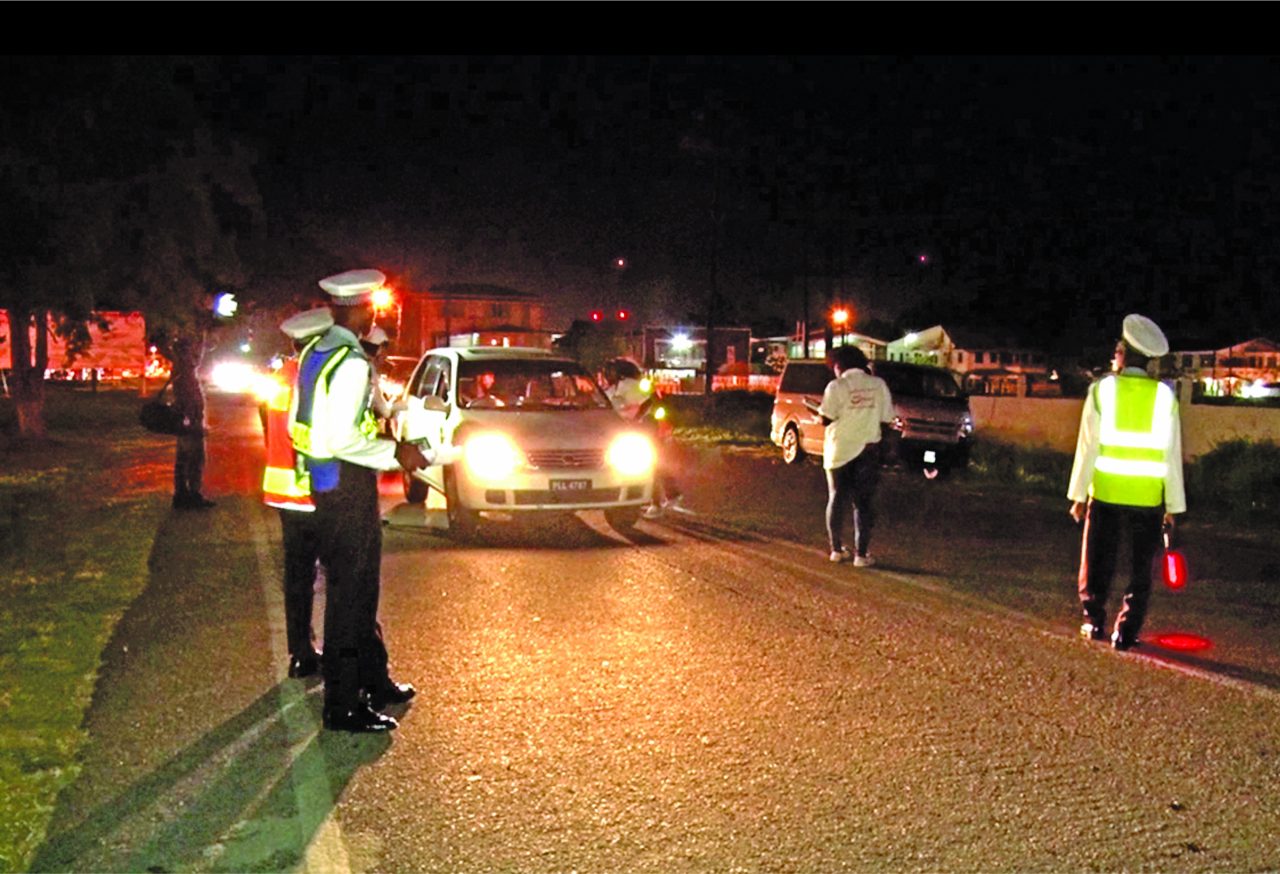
{"points": [[693, 698]]}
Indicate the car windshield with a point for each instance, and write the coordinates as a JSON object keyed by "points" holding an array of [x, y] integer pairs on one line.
{"points": [[919, 382], [528, 384]]}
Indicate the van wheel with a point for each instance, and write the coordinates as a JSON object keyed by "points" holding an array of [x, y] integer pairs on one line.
{"points": [[462, 522], [791, 450], [415, 490]]}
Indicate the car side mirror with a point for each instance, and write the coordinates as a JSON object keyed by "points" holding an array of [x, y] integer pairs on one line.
{"points": [[435, 404]]}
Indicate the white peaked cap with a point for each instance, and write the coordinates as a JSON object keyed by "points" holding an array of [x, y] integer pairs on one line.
{"points": [[353, 287], [1145, 336], [306, 324]]}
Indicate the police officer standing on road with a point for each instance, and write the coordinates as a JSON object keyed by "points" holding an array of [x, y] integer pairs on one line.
{"points": [[287, 487], [1128, 468], [854, 407], [333, 428]]}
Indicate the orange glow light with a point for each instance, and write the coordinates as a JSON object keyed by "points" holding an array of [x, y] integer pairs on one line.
{"points": [[840, 316], [382, 299]]}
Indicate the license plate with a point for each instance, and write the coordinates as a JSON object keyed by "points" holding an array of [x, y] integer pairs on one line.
{"points": [[570, 485], [930, 456]]}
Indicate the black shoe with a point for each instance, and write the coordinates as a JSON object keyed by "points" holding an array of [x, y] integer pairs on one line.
{"points": [[304, 665], [1120, 643], [1089, 631], [192, 502], [358, 719], [392, 693]]}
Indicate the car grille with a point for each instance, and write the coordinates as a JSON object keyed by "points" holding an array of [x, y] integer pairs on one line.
{"points": [[566, 459], [585, 496], [923, 427]]}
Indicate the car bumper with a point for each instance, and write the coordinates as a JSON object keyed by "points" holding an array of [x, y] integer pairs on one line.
{"points": [[555, 491], [923, 452]]}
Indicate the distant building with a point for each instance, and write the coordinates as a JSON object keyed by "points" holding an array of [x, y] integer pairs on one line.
{"points": [[874, 349], [119, 351], [1232, 371], [989, 366], [469, 314]]}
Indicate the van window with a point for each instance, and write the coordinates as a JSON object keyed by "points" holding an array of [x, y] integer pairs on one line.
{"points": [[919, 382], [809, 378]]}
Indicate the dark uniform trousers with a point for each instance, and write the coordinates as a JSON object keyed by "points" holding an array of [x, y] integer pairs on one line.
{"points": [[1103, 526], [853, 485], [350, 530], [301, 534]]}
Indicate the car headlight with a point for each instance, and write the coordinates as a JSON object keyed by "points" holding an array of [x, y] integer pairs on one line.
{"points": [[631, 455], [491, 456], [966, 425], [897, 424]]}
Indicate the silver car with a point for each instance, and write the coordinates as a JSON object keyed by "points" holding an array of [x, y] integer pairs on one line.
{"points": [[535, 434]]}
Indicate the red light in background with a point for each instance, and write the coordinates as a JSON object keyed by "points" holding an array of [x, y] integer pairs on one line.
{"points": [[623, 315], [1182, 642], [597, 316]]}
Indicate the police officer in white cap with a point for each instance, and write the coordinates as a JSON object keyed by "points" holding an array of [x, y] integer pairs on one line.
{"points": [[332, 426], [1127, 476], [288, 489]]}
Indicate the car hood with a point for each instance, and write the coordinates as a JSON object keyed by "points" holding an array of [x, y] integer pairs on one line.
{"points": [[561, 429]]}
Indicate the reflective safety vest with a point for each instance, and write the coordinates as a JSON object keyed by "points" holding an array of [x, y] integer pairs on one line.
{"points": [[315, 375], [285, 481], [1137, 418]]}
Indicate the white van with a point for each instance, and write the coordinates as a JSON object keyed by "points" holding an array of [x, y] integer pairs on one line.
{"points": [[932, 426]]}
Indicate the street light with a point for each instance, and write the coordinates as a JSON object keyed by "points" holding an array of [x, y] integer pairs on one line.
{"points": [[840, 318]]}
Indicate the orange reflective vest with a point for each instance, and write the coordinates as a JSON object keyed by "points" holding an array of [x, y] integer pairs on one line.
{"points": [[285, 483]]}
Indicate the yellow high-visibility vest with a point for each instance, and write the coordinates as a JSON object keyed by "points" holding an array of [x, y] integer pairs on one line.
{"points": [[1137, 415]]}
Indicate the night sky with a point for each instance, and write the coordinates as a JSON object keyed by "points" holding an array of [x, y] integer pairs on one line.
{"points": [[1037, 197]]}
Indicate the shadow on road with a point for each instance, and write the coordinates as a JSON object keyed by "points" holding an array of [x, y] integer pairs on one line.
{"points": [[199, 758]]}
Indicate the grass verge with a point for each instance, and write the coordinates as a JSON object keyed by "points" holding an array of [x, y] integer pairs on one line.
{"points": [[73, 556]]}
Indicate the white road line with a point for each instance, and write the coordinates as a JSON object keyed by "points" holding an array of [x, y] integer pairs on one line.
{"points": [[327, 852], [987, 610]]}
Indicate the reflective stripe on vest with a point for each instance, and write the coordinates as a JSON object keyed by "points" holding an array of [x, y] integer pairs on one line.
{"points": [[1136, 422], [314, 372]]}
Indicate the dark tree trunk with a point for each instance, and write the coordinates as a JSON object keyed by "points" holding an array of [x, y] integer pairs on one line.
{"points": [[28, 370]]}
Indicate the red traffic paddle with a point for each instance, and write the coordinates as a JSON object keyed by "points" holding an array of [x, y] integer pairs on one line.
{"points": [[1175, 566]]}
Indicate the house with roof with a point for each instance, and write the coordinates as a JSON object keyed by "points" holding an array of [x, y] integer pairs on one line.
{"points": [[469, 314], [1237, 370], [989, 365]]}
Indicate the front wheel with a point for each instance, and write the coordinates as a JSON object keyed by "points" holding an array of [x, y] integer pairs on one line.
{"points": [[462, 522], [792, 452], [623, 519]]}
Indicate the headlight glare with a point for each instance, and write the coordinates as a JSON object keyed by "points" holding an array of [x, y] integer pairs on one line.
{"points": [[631, 455], [491, 456]]}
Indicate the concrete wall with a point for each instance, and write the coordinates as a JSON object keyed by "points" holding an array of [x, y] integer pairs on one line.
{"points": [[1054, 422]]}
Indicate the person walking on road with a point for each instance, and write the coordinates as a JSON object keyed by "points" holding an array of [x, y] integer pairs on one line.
{"points": [[1127, 477], [855, 406], [331, 423], [188, 400], [287, 487]]}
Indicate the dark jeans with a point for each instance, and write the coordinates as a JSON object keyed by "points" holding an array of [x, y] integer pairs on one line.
{"points": [[1103, 525], [350, 531], [853, 485], [301, 533], [188, 466]]}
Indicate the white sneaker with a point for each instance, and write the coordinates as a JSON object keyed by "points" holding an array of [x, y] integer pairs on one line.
{"points": [[653, 511], [863, 561], [841, 555]]}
